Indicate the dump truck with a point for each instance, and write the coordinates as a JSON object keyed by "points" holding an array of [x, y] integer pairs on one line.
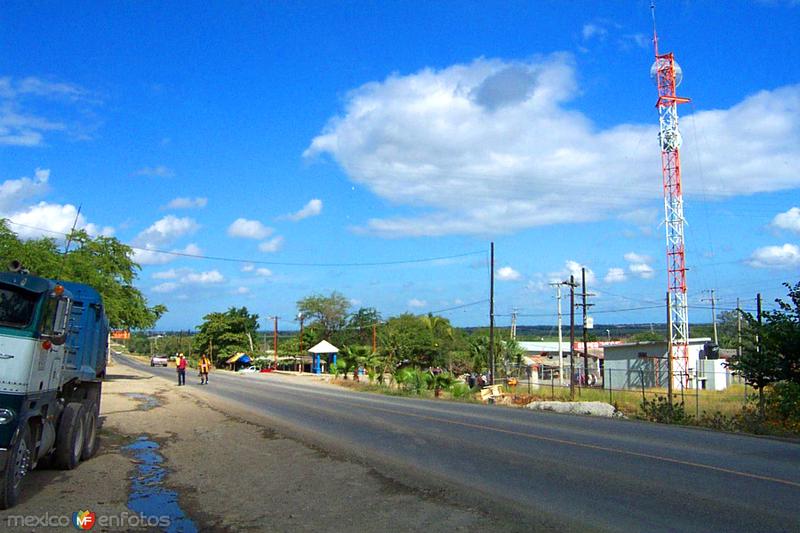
{"points": [[53, 353]]}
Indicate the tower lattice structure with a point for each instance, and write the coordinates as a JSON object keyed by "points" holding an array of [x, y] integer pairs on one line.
{"points": [[668, 75]]}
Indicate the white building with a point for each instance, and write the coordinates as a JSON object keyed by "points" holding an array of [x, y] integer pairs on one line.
{"points": [[632, 365]]}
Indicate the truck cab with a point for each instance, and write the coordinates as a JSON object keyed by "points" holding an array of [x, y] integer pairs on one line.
{"points": [[53, 345]]}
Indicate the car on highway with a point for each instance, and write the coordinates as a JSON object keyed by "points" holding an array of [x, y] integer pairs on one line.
{"points": [[159, 360]]}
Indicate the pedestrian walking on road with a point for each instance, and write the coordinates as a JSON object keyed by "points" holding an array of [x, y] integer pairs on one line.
{"points": [[181, 366], [205, 367]]}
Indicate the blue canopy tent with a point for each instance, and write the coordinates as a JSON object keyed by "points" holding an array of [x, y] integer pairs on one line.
{"points": [[238, 360]]}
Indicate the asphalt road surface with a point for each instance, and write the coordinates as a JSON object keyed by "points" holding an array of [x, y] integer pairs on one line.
{"points": [[538, 470]]}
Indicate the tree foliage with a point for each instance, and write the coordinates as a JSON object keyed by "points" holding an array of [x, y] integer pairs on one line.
{"points": [[223, 334], [101, 262], [329, 313], [771, 346]]}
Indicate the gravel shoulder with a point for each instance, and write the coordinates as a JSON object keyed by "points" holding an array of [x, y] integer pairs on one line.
{"points": [[231, 470]]}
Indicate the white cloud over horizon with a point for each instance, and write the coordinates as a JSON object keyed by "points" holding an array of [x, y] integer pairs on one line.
{"points": [[615, 275], [463, 148], [777, 257], [42, 219], [160, 234], [507, 273], [790, 220], [311, 209], [158, 171], [272, 245], [22, 127], [248, 229], [187, 203], [417, 303]]}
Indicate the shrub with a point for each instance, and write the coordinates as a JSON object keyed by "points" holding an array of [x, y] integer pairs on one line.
{"points": [[660, 410]]}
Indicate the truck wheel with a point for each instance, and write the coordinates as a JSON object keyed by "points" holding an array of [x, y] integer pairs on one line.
{"points": [[69, 436], [17, 467], [90, 440]]}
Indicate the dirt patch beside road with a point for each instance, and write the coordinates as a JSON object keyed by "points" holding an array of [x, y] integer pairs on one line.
{"points": [[231, 471]]}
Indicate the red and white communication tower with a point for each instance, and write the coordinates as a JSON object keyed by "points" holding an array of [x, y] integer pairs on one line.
{"points": [[667, 75]]}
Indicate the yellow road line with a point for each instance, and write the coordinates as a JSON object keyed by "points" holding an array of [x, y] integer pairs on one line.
{"points": [[598, 447]]}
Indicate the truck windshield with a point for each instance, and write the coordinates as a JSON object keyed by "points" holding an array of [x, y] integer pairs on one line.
{"points": [[16, 306]]}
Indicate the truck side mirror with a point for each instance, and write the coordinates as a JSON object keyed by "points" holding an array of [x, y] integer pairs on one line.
{"points": [[56, 331]]}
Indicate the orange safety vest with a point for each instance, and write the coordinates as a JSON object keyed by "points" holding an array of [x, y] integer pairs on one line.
{"points": [[205, 365]]}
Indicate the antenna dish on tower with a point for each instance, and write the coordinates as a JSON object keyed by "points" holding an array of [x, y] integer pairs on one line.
{"points": [[662, 64]]}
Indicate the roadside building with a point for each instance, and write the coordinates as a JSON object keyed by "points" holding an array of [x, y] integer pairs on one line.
{"points": [[637, 364], [543, 356]]}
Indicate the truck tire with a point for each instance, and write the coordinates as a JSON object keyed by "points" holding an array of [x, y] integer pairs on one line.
{"points": [[17, 467], [90, 440], [70, 436]]}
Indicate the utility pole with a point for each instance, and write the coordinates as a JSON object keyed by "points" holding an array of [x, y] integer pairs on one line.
{"points": [[738, 329], [491, 316], [560, 337], [275, 340], [585, 307], [758, 317], [374, 338], [572, 286], [300, 317], [669, 350], [713, 314], [513, 324]]}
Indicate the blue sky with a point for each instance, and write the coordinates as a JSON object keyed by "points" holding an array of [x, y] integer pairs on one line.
{"points": [[284, 137]]}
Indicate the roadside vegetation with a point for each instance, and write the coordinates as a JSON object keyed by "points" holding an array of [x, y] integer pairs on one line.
{"points": [[425, 356], [102, 262]]}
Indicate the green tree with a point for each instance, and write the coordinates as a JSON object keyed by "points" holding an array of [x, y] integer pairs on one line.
{"points": [[328, 312], [223, 334], [102, 262], [771, 347], [359, 326]]}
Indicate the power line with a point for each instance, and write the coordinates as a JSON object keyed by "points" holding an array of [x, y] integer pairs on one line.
{"points": [[276, 263]]}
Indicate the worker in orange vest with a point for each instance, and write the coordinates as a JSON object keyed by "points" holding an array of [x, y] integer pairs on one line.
{"points": [[205, 367]]}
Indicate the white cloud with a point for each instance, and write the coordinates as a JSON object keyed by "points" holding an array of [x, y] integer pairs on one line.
{"points": [[203, 278], [149, 254], [495, 146], [248, 229], [187, 203], [272, 245], [790, 220], [639, 265], [165, 231], [311, 209], [571, 268], [264, 272], [633, 257], [507, 273], [45, 219], [21, 127], [786, 256], [13, 192], [641, 270], [242, 290], [167, 286], [248, 267], [615, 275], [166, 274], [159, 171], [590, 31], [414, 302]]}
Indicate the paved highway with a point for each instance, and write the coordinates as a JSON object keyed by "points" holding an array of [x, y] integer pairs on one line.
{"points": [[538, 470]]}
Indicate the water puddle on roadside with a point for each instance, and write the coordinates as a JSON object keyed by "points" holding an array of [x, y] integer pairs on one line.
{"points": [[146, 402], [148, 495]]}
